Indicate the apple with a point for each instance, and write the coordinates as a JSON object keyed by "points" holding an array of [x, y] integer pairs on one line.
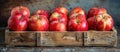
{"points": [[76, 24], [57, 26], [42, 12], [101, 22], [95, 11], [76, 11], [20, 10], [17, 22], [57, 16], [60, 9], [82, 17], [38, 23]]}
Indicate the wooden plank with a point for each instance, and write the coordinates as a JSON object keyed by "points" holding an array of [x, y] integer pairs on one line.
{"points": [[101, 38], [24, 49], [60, 39], [60, 49], [20, 38]]}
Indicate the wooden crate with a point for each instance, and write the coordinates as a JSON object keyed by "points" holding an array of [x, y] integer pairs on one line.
{"points": [[20, 38], [54, 38], [100, 38], [60, 38]]}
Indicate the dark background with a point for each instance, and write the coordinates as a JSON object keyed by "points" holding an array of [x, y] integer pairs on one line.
{"points": [[112, 6]]}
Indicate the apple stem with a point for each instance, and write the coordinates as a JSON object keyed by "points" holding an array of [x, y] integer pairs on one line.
{"points": [[78, 21], [103, 16], [20, 18], [38, 16]]}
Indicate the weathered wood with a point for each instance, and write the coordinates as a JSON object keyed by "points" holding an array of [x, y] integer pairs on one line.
{"points": [[60, 39], [60, 49], [20, 38], [54, 38], [101, 38], [23, 49]]}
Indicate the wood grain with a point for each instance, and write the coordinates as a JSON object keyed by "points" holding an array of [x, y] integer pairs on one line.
{"points": [[100, 38], [20, 38], [59, 49], [60, 39]]}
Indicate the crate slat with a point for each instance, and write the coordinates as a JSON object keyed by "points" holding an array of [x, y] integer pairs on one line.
{"points": [[60, 39], [101, 38], [55, 38], [20, 38]]}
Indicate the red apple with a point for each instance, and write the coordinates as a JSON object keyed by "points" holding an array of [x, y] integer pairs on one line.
{"points": [[17, 22], [60, 9], [82, 17], [38, 23], [57, 16], [57, 26], [92, 23], [102, 22], [95, 11], [21, 10], [76, 11], [42, 12], [76, 24]]}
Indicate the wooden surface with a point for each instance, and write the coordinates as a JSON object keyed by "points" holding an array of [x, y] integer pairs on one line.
{"points": [[17, 38], [60, 39], [60, 49], [101, 38]]}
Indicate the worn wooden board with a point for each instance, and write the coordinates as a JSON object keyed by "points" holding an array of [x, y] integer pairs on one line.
{"points": [[20, 38], [59, 49], [101, 38], [60, 39]]}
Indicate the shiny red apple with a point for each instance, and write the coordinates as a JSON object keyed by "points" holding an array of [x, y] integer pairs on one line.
{"points": [[57, 26], [95, 11], [38, 23], [102, 22], [17, 22], [77, 11], [76, 24], [60, 9], [42, 12], [57, 16], [82, 17], [20, 10]]}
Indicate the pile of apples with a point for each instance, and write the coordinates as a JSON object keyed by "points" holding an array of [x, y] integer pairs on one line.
{"points": [[59, 20]]}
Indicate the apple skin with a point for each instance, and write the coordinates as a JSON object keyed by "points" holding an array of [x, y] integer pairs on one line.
{"points": [[82, 17], [77, 11], [57, 26], [57, 16], [17, 22], [60, 9], [42, 12], [76, 24], [38, 23], [21, 10], [95, 11], [101, 22]]}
